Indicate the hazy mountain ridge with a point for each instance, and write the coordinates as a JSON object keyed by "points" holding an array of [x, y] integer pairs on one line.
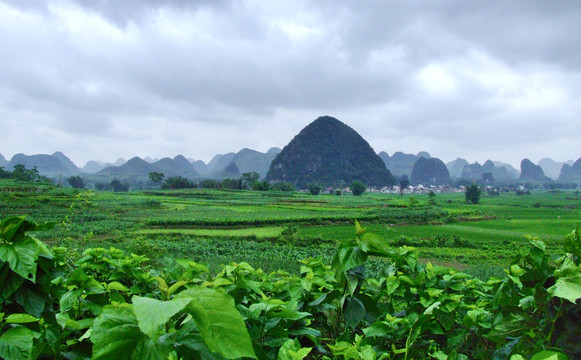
{"points": [[139, 168], [499, 173], [401, 164], [571, 173], [55, 165], [199, 166], [455, 167], [430, 171], [248, 160], [530, 172], [552, 168], [220, 162]]}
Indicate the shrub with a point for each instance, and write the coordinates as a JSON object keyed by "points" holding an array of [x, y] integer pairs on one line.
{"points": [[314, 189], [473, 194], [357, 187]]}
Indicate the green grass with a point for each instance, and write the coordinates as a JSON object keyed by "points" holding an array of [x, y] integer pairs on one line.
{"points": [[260, 232], [479, 238]]}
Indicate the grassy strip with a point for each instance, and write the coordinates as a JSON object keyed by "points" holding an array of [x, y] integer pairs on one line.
{"points": [[261, 232]]}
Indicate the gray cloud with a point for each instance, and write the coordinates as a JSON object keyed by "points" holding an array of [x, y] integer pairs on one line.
{"points": [[108, 79]]}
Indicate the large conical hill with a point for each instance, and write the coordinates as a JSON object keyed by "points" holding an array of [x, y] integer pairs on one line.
{"points": [[329, 152]]}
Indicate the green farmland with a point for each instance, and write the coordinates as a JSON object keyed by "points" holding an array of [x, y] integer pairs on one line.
{"points": [[277, 229], [216, 274]]}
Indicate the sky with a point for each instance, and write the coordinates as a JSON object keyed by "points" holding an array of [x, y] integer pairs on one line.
{"points": [[99, 80]]}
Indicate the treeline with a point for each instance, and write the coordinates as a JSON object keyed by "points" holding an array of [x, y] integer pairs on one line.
{"points": [[248, 181], [21, 173]]}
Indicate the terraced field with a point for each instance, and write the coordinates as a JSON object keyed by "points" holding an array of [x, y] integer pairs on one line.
{"points": [[274, 229]]}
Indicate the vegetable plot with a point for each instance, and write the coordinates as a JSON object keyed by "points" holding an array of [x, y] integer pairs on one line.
{"points": [[106, 304]]}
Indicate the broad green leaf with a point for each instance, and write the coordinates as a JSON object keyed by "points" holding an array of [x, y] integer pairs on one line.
{"points": [[350, 255], [440, 355], [572, 243], [354, 311], [65, 321], [161, 284], [358, 229], [151, 314], [568, 284], [379, 328], [348, 351], [20, 319], [10, 282], [219, 322], [430, 309], [31, 298], [116, 335], [512, 325], [379, 246], [21, 256], [291, 350], [16, 344], [10, 226], [549, 355], [172, 289], [415, 331], [115, 285]]}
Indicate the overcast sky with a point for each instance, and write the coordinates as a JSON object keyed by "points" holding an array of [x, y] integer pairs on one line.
{"points": [[99, 80]]}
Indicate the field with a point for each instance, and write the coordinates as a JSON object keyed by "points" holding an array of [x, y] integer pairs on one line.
{"points": [[215, 274], [275, 230]]}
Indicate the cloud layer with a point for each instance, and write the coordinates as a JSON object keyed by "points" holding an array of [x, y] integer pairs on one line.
{"points": [[99, 80]]}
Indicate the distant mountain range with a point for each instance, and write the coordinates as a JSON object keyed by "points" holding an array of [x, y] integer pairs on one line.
{"points": [[571, 173], [55, 165], [325, 151], [232, 165], [552, 168], [401, 164]]}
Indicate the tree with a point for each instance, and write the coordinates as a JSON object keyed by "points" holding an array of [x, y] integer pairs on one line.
{"points": [[118, 186], [404, 183], [177, 182], [210, 184], [431, 198], [357, 187], [21, 173], [248, 179], [4, 174], [473, 194], [314, 189], [76, 182], [282, 186], [232, 184], [156, 177], [261, 185]]}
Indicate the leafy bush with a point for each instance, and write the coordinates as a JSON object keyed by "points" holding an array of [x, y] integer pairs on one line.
{"points": [[177, 182], [473, 194], [282, 186], [357, 187], [314, 189], [106, 304]]}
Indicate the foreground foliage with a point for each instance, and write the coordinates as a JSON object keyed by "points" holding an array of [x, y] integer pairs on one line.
{"points": [[104, 304]]}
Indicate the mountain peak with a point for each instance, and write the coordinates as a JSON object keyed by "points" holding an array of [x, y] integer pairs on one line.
{"points": [[531, 172], [328, 151]]}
